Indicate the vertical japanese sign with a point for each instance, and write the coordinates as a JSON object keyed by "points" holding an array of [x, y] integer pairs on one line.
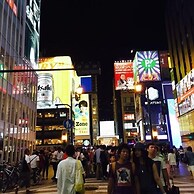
{"points": [[123, 75], [148, 66], [81, 110]]}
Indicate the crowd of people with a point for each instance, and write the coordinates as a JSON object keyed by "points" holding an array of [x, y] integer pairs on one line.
{"points": [[139, 169]]}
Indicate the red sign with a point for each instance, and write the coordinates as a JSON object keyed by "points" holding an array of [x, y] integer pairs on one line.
{"points": [[123, 75]]}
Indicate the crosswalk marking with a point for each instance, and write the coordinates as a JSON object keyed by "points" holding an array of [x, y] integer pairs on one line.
{"points": [[102, 186]]}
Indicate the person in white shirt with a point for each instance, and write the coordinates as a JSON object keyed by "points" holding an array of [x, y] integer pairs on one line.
{"points": [[172, 162], [154, 154], [66, 172], [57, 156], [34, 162]]}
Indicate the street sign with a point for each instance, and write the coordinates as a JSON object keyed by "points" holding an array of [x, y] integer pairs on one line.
{"points": [[68, 124]]}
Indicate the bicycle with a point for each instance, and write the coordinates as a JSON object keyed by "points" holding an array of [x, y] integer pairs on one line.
{"points": [[9, 177]]}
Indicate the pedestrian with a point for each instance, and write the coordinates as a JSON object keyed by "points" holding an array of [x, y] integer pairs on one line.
{"points": [[26, 171], [172, 162], [104, 161], [146, 171], [190, 161], [66, 172], [46, 164], [154, 154], [121, 178], [34, 164], [98, 162]]}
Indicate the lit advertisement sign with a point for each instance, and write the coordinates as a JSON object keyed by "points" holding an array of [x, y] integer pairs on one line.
{"points": [[174, 123], [54, 86], [107, 128], [32, 32], [152, 110], [86, 83], [123, 75], [148, 66], [13, 6], [24, 82], [81, 111], [185, 93]]}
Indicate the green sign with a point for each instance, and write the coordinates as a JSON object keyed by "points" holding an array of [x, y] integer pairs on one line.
{"points": [[1, 68]]}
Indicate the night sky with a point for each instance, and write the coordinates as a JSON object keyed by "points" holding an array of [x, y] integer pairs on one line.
{"points": [[101, 31]]}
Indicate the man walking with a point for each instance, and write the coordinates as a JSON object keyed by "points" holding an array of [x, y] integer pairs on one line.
{"points": [[66, 172], [153, 153]]}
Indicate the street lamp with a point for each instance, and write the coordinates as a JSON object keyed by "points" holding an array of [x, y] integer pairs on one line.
{"points": [[78, 93]]}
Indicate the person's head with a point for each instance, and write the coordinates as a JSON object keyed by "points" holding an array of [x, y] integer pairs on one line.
{"points": [[152, 149], [27, 151], [83, 106], [123, 151], [189, 148], [112, 158], [122, 77], [139, 150], [70, 150]]}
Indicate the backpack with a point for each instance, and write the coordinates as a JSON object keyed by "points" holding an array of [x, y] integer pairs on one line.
{"points": [[24, 166]]}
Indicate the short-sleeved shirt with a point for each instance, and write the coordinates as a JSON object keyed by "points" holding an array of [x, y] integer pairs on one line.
{"points": [[123, 178], [33, 160], [160, 164], [66, 176]]}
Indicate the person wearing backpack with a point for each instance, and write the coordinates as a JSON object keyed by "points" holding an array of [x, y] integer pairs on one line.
{"points": [[26, 171]]}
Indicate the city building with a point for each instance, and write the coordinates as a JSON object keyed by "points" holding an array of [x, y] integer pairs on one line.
{"points": [[180, 34], [18, 81], [65, 115]]}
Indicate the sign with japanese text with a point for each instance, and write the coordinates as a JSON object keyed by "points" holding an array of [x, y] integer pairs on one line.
{"points": [[123, 75], [148, 66]]}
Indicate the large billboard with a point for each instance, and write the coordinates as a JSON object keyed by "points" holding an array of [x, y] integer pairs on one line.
{"points": [[185, 93], [81, 112], [148, 66], [54, 87], [32, 31], [123, 75], [152, 102]]}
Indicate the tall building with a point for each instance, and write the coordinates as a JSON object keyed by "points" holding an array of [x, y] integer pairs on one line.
{"points": [[180, 34], [18, 81]]}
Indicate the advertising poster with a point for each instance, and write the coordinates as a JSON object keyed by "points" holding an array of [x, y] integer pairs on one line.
{"points": [[152, 110], [174, 123], [123, 75], [148, 66], [185, 93], [32, 31], [81, 111], [24, 82], [54, 86]]}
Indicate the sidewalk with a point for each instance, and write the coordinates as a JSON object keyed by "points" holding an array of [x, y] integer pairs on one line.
{"points": [[182, 173]]}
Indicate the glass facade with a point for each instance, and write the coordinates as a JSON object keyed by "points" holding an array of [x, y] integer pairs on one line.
{"points": [[18, 84]]}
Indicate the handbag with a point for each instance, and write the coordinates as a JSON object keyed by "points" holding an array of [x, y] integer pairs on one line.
{"points": [[173, 190], [79, 181]]}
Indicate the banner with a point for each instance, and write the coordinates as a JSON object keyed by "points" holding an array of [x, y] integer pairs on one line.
{"points": [[123, 75], [81, 111], [148, 66]]}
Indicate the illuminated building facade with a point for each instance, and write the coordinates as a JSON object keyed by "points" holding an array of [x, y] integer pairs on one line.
{"points": [[18, 84], [180, 34], [57, 101]]}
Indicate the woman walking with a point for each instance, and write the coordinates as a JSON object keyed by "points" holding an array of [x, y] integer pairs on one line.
{"points": [[146, 171]]}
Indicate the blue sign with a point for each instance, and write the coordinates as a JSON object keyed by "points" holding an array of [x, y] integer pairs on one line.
{"points": [[68, 124]]}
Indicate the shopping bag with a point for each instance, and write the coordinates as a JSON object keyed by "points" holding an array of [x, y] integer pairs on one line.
{"points": [[79, 181], [173, 190]]}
